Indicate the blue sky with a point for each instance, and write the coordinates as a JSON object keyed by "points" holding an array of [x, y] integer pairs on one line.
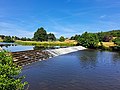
{"points": [[61, 17]]}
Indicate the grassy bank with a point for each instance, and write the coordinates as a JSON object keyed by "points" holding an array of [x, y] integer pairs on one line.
{"points": [[1, 40], [107, 44], [110, 46], [55, 43]]}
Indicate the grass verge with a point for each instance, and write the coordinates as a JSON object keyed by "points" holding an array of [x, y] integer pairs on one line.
{"points": [[45, 43]]}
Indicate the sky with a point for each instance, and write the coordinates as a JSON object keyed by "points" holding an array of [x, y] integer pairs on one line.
{"points": [[61, 17]]}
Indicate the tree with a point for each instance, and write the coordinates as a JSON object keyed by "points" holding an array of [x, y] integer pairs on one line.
{"points": [[8, 39], [117, 41], [75, 37], [88, 40], [62, 39], [100, 36], [2, 36], [51, 37], [40, 35], [9, 79], [16, 38], [107, 38]]}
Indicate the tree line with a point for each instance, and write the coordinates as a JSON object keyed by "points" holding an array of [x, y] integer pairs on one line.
{"points": [[40, 35], [91, 40]]}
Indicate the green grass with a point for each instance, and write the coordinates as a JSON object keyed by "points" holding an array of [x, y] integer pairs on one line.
{"points": [[108, 44], [1, 40], [55, 43]]}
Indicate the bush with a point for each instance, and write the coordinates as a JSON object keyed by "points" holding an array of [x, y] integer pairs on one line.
{"points": [[117, 41], [88, 40], [8, 39], [9, 79]]}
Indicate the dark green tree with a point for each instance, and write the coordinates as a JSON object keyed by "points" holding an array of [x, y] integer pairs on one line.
{"points": [[40, 35], [51, 37], [88, 40], [9, 79], [2, 36], [100, 36], [8, 39], [117, 41], [75, 37], [62, 39]]}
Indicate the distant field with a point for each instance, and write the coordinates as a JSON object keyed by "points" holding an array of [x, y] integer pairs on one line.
{"points": [[45, 43], [1, 40], [108, 44]]}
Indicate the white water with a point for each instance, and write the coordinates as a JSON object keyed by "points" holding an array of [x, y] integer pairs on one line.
{"points": [[1, 49], [61, 51]]}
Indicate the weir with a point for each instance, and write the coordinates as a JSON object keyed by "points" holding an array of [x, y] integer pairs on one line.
{"points": [[61, 51], [27, 57]]}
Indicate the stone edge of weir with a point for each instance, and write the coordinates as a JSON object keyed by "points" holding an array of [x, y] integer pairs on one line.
{"points": [[23, 58], [62, 51]]}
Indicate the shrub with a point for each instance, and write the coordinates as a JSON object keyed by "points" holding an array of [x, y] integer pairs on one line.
{"points": [[9, 79]]}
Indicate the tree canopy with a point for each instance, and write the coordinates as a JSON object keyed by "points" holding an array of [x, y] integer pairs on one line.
{"points": [[62, 39], [88, 40], [117, 41], [40, 35], [51, 37], [8, 39]]}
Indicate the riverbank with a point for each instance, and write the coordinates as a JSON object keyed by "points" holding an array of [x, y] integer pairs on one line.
{"points": [[47, 43]]}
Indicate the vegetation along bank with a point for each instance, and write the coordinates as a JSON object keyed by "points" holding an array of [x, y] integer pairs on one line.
{"points": [[109, 40]]}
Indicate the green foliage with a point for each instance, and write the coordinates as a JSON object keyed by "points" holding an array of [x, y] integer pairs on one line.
{"points": [[8, 39], [101, 36], [114, 33], [117, 41], [62, 39], [2, 36], [25, 39], [75, 37], [51, 37], [15, 38], [107, 36], [88, 40], [9, 72], [40, 35]]}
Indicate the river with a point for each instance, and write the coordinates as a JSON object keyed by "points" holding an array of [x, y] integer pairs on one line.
{"points": [[82, 70]]}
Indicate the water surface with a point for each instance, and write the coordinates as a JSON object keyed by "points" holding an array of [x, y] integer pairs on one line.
{"points": [[82, 70], [13, 47]]}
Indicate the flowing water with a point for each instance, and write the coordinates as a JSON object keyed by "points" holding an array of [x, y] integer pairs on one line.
{"points": [[82, 70]]}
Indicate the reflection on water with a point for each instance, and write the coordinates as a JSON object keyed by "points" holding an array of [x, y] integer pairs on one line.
{"points": [[88, 59], [83, 70], [15, 47]]}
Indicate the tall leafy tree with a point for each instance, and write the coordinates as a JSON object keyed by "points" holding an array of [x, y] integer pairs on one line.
{"points": [[62, 39], [88, 40], [51, 37], [8, 39], [40, 35], [75, 37]]}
